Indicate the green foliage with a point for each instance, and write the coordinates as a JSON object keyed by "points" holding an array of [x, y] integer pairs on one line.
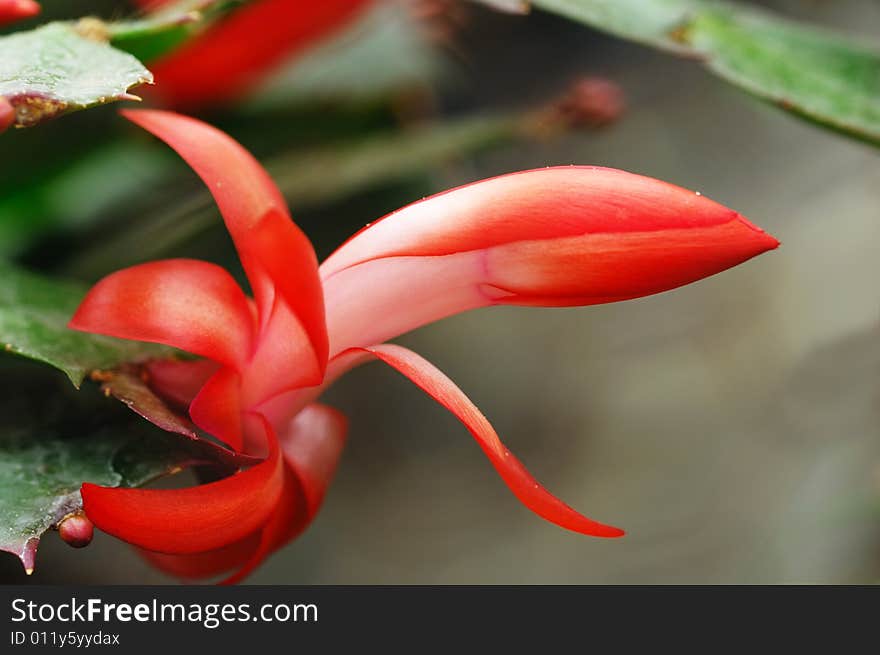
{"points": [[51, 444], [827, 78], [55, 69], [34, 312]]}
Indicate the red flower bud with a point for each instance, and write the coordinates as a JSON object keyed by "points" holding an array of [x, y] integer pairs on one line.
{"points": [[76, 530], [589, 102]]}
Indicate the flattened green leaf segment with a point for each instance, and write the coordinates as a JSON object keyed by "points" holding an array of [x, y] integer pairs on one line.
{"points": [[55, 69], [824, 77], [42, 469], [829, 79], [652, 22]]}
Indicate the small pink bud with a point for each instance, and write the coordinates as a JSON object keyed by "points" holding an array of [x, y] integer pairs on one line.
{"points": [[76, 530], [591, 102]]}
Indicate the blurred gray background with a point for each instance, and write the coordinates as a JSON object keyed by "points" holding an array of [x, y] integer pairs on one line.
{"points": [[731, 427]]}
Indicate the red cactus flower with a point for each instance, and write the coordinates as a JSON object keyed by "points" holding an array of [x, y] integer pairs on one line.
{"points": [[13, 10], [237, 53], [547, 237]]}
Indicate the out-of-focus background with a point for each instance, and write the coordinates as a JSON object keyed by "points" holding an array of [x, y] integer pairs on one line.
{"points": [[732, 427]]}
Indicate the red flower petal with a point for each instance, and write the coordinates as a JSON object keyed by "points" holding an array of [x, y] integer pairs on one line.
{"points": [[284, 359], [518, 479], [194, 519], [243, 190], [217, 408], [234, 55], [13, 10], [178, 382], [311, 447], [289, 510], [276, 255], [554, 236], [185, 303]]}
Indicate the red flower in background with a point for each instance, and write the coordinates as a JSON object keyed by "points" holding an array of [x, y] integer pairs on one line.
{"points": [[548, 237], [237, 53], [13, 10]]}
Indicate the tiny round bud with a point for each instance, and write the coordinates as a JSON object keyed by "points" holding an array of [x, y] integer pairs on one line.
{"points": [[76, 530], [591, 102]]}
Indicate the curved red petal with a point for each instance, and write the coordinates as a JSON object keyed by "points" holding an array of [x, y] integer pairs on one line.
{"points": [[185, 303], [241, 186], [13, 10], [284, 359], [277, 250], [234, 55], [312, 445], [290, 510], [518, 479], [217, 408], [554, 236], [276, 255], [179, 381], [194, 519]]}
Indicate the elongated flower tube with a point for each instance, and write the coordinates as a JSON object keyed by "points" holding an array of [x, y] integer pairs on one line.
{"points": [[547, 237], [234, 55]]}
